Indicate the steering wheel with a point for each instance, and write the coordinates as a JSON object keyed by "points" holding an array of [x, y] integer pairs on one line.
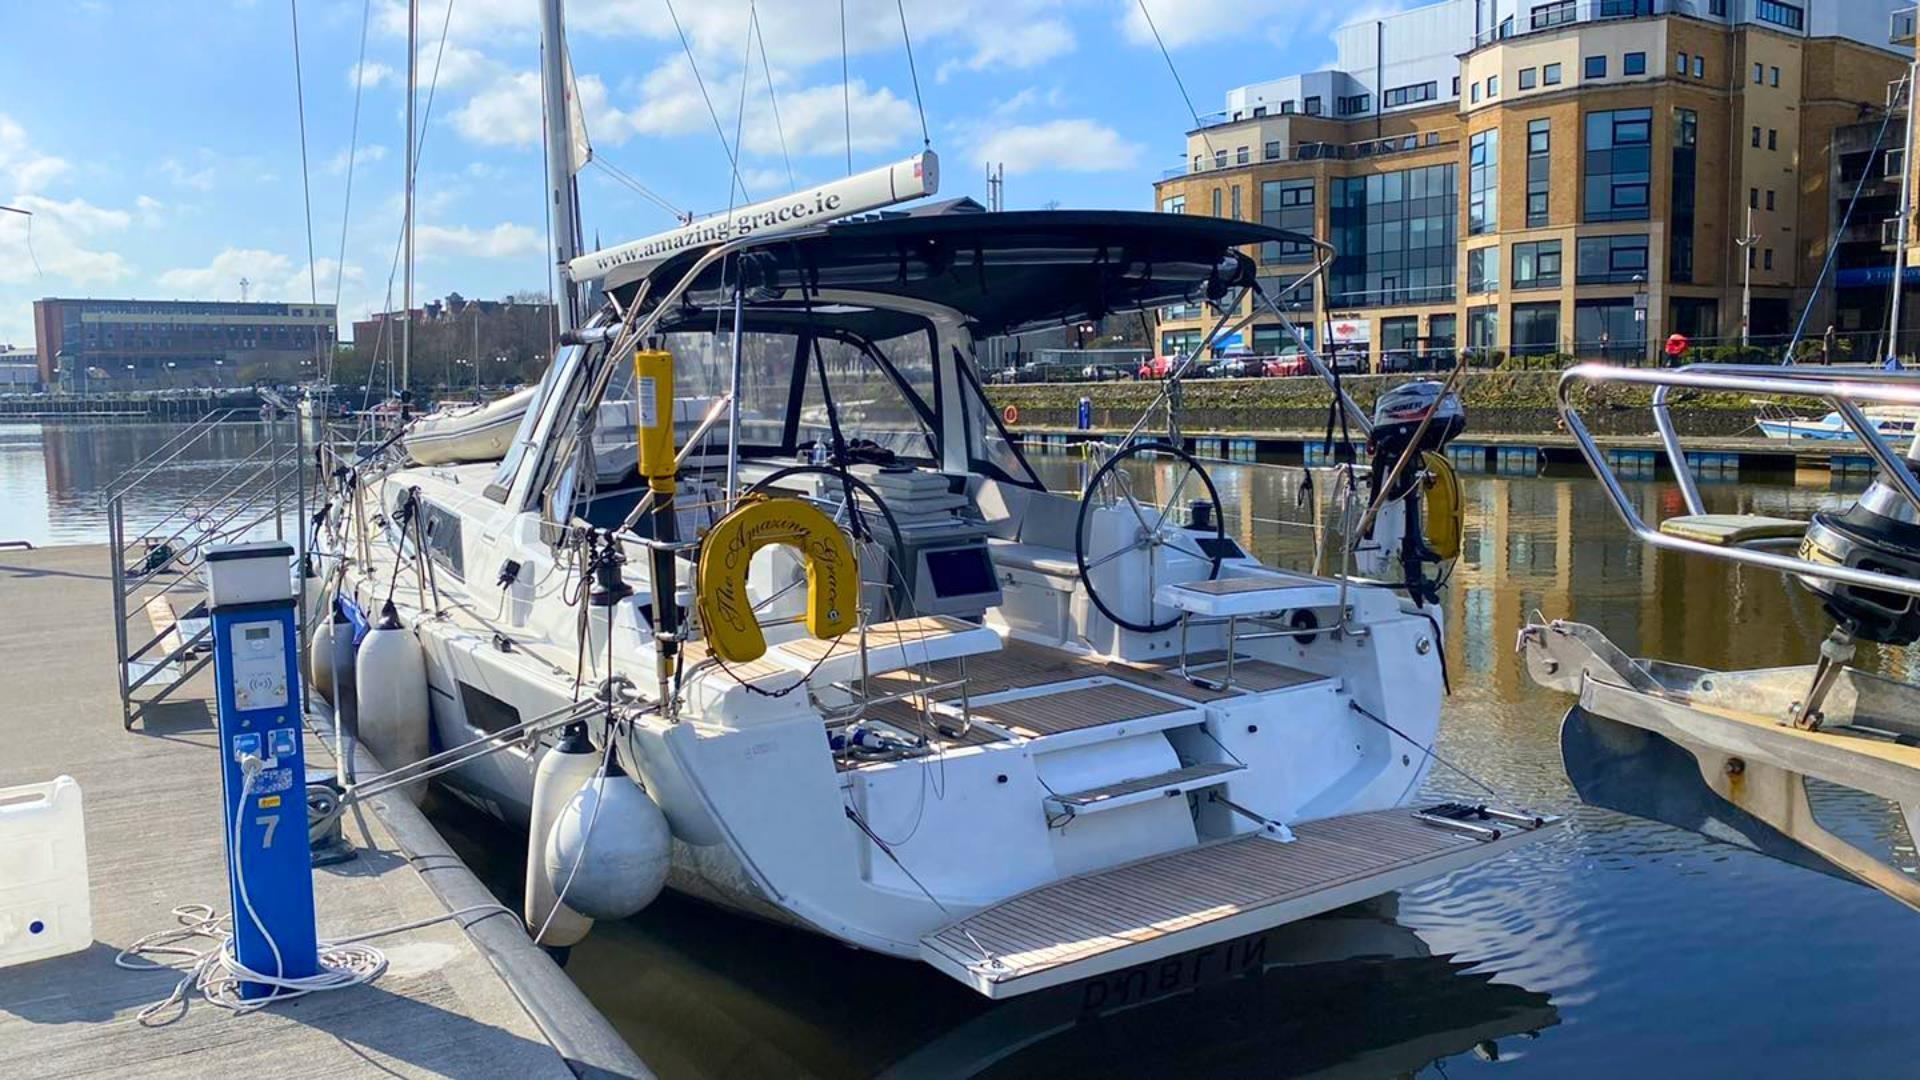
{"points": [[844, 513], [1115, 486]]}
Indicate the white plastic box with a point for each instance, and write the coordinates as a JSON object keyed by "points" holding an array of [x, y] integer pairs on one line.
{"points": [[44, 908]]}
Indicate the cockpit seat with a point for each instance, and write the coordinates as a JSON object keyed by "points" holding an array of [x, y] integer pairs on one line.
{"points": [[1028, 529]]}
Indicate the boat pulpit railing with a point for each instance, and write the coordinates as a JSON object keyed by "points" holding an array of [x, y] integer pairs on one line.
{"points": [[1843, 390]]}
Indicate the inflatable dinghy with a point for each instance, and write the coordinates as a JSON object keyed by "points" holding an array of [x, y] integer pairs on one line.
{"points": [[447, 436]]}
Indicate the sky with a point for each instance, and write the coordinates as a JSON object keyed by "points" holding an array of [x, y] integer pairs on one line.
{"points": [[158, 145]]}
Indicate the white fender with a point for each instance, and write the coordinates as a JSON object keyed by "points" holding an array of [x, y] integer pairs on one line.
{"points": [[610, 863], [390, 680], [561, 771]]}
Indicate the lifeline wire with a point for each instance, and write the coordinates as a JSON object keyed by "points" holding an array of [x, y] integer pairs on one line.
{"points": [[906, 38], [1184, 96]]}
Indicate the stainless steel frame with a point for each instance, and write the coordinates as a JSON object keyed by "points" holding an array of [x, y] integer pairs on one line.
{"points": [[1843, 389]]}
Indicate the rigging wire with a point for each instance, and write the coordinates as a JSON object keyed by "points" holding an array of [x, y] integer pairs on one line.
{"points": [[1177, 81], [28, 214], [306, 188], [740, 117], [926, 139], [733, 159], [846, 91], [626, 179], [753, 27], [353, 150]]}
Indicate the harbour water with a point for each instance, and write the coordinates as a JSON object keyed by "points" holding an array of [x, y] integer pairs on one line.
{"points": [[1615, 945]]}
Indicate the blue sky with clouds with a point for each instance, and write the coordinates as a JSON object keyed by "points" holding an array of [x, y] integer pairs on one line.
{"points": [[158, 147]]}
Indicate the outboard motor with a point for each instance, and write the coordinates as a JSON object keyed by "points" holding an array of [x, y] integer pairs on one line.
{"points": [[1877, 533], [1399, 417]]}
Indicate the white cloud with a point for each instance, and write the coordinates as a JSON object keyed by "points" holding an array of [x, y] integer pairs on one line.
{"points": [[54, 242], [1029, 98], [269, 275], [1014, 45], [1075, 145], [504, 241], [814, 118], [23, 168], [373, 74], [200, 179], [362, 157]]}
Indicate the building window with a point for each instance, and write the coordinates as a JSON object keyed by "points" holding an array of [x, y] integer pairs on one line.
{"points": [[1539, 171], [1259, 111], [1536, 265], [1767, 263], [1476, 93], [1634, 63], [1753, 198], [1699, 66], [1483, 182], [1611, 260], [1550, 75], [1759, 74], [1312, 106], [1483, 270], [1410, 95], [1773, 139], [1773, 76], [1769, 198], [1441, 333], [1493, 86], [1272, 150], [1174, 204], [1686, 138], [1679, 63], [1395, 234], [1619, 164], [1596, 67], [1756, 137], [1483, 329], [1456, 86], [1287, 204], [1779, 14], [1287, 108], [1216, 203], [1240, 156], [1717, 7], [1219, 159], [1399, 334], [1527, 77], [1236, 202], [1536, 329], [1608, 330], [1559, 13]]}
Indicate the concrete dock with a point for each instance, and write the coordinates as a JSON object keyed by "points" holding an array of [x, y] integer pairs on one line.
{"points": [[469, 998]]}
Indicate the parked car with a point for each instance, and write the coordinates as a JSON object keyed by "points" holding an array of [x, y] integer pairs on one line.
{"points": [[1349, 361], [1104, 372], [1396, 360], [1158, 367], [1288, 364]]}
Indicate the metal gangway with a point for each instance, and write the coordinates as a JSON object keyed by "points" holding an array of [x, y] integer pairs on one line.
{"points": [[162, 635]]}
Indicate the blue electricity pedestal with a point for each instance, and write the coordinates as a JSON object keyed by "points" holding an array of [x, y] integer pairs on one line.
{"points": [[269, 878]]}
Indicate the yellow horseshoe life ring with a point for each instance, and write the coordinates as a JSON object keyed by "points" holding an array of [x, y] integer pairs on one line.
{"points": [[726, 611], [1445, 511], [1010, 414]]}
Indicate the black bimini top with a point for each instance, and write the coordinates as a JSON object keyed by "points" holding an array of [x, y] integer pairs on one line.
{"points": [[1005, 272]]}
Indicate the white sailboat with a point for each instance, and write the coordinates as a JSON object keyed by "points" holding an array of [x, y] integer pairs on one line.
{"points": [[859, 669]]}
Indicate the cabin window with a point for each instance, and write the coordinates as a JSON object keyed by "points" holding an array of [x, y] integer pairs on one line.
{"points": [[881, 392]]}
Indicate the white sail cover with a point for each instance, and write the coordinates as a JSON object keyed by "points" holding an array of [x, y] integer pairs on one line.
{"points": [[913, 178]]}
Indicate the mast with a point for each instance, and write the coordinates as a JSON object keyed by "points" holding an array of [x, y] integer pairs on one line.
{"points": [[406, 289], [563, 206], [1900, 250]]}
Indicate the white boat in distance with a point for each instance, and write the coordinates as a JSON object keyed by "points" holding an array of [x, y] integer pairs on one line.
{"points": [[1892, 422]]}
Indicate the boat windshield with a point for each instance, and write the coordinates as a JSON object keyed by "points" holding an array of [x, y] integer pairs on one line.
{"points": [[524, 437], [880, 391]]}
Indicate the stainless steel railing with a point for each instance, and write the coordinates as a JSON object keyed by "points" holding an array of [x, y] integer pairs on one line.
{"points": [[1843, 389]]}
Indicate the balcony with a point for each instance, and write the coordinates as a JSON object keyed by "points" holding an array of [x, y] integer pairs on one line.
{"points": [[1552, 15], [1319, 151]]}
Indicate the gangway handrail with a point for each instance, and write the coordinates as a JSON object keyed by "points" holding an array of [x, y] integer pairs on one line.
{"points": [[1844, 390], [177, 445], [187, 503]]}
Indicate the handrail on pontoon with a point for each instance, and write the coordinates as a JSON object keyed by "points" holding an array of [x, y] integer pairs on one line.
{"points": [[1843, 389]]}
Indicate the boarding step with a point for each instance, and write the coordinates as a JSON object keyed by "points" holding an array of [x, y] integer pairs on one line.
{"points": [[1733, 530], [1090, 710], [1163, 785], [1243, 597], [1143, 911]]}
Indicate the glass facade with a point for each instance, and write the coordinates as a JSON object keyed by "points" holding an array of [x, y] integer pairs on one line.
{"points": [[1686, 138], [1395, 233], [1287, 204], [1611, 260], [1608, 330], [1536, 329], [1619, 164], [1539, 171], [1483, 183]]}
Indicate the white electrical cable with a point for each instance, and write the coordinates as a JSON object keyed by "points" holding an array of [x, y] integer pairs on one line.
{"points": [[216, 973]]}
